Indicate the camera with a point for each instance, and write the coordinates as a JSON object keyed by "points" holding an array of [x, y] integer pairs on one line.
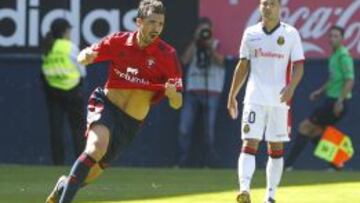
{"points": [[203, 50], [204, 35]]}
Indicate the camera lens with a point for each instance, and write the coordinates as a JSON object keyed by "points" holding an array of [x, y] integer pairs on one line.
{"points": [[205, 34]]}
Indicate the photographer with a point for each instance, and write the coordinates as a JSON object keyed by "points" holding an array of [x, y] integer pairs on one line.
{"points": [[204, 84]]}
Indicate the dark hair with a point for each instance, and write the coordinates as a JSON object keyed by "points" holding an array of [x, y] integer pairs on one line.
{"points": [[204, 20], [338, 28], [57, 31], [150, 6]]}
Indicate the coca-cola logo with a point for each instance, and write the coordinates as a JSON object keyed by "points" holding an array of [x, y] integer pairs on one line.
{"points": [[313, 19], [314, 24]]}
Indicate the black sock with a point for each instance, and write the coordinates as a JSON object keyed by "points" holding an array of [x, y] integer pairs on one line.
{"points": [[299, 145], [77, 176]]}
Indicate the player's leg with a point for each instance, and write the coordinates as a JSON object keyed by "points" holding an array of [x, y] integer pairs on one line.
{"points": [[94, 173], [274, 169], [246, 168], [85, 169], [277, 132], [187, 120], [307, 131], [101, 125], [96, 147], [312, 128], [253, 125], [123, 132]]}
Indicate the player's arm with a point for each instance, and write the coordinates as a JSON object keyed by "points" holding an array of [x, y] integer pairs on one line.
{"points": [[87, 56], [288, 92], [73, 56], [297, 59], [347, 67], [339, 105], [239, 77], [104, 50], [240, 74], [348, 86], [323, 87], [174, 86], [318, 92]]}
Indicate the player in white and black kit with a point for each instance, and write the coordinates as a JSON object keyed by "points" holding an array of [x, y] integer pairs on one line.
{"points": [[271, 54]]}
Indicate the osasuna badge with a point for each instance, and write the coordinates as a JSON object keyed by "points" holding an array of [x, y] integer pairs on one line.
{"points": [[150, 62], [281, 40], [246, 128]]}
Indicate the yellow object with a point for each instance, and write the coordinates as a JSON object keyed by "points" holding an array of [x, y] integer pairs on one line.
{"points": [[334, 147], [59, 69]]}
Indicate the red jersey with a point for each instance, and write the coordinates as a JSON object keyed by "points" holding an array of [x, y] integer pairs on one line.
{"points": [[131, 67]]}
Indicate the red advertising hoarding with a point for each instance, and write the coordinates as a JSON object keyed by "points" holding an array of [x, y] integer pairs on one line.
{"points": [[313, 19]]}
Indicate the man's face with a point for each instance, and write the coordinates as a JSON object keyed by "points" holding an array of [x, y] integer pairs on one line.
{"points": [[335, 38], [270, 9], [151, 26]]}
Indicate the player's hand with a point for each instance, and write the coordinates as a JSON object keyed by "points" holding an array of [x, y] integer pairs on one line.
{"points": [[87, 56], [232, 107], [170, 90], [338, 108], [315, 95], [286, 94]]}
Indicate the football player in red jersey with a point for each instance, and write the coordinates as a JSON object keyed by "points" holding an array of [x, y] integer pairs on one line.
{"points": [[143, 69]]}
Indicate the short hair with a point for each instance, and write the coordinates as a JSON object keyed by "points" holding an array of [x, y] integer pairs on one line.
{"points": [[150, 6], [338, 28]]}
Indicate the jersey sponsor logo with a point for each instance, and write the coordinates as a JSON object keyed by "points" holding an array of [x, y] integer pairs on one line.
{"points": [[133, 71], [130, 76], [259, 53]]}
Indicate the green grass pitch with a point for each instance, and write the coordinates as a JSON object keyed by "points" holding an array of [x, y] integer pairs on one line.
{"points": [[26, 184]]}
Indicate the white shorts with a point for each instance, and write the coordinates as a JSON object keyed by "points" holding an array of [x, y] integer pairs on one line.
{"points": [[259, 120]]}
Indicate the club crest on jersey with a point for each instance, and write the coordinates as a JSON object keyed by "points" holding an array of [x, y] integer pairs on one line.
{"points": [[150, 62], [246, 128], [281, 40]]}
